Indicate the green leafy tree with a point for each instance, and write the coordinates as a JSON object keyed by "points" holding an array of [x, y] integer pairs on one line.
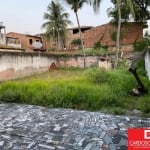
{"points": [[75, 6], [57, 22], [140, 13], [144, 6]]}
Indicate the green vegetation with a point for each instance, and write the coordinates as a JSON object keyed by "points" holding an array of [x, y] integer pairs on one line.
{"points": [[52, 49], [91, 89], [97, 45], [92, 51], [76, 42], [114, 35], [141, 46]]}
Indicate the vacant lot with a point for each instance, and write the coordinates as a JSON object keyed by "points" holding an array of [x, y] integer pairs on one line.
{"points": [[91, 89]]}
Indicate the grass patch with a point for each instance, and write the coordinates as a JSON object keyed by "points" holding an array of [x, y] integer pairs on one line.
{"points": [[90, 89], [92, 51]]}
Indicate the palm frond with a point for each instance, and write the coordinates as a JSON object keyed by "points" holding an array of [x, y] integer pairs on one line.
{"points": [[95, 4]]}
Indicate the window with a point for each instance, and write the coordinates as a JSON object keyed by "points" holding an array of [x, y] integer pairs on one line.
{"points": [[30, 41]]}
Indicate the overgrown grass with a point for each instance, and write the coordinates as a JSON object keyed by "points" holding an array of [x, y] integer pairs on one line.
{"points": [[92, 51], [91, 89]]}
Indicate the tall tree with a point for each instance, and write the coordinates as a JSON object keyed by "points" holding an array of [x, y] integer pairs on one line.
{"points": [[118, 31], [121, 14], [57, 22], [130, 4], [75, 6], [141, 13], [144, 5]]}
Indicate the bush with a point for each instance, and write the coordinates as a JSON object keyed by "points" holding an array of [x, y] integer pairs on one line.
{"points": [[144, 105], [118, 111], [97, 45], [52, 49], [11, 92], [105, 47], [76, 42], [97, 75], [141, 46]]}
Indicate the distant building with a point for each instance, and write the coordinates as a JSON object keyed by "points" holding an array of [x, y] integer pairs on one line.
{"points": [[73, 33], [13, 42], [29, 43], [106, 35], [8, 43]]}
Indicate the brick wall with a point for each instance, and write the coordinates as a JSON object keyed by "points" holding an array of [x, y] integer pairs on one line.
{"points": [[131, 32], [71, 36]]}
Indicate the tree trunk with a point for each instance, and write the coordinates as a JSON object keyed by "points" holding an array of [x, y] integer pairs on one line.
{"points": [[80, 35], [118, 32], [58, 40], [140, 88]]}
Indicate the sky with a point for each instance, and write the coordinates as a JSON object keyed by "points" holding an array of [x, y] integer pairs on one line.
{"points": [[26, 16]]}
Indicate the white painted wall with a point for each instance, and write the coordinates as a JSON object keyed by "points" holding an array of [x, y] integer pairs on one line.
{"points": [[147, 63], [14, 45]]}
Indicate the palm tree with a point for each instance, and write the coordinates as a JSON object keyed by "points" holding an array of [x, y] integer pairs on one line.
{"points": [[75, 6], [57, 22]]}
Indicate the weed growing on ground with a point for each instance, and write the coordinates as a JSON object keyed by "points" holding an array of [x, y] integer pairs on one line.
{"points": [[90, 89]]}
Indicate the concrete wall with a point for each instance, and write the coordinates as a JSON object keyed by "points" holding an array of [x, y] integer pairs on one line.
{"points": [[15, 64], [18, 64], [147, 62]]}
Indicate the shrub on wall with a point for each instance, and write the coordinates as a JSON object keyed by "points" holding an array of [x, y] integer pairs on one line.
{"points": [[76, 42], [97, 45], [23, 50], [113, 35], [141, 46], [52, 49]]}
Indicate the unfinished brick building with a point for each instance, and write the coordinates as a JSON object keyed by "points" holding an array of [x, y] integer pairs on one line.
{"points": [[104, 34], [130, 33], [73, 33]]}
